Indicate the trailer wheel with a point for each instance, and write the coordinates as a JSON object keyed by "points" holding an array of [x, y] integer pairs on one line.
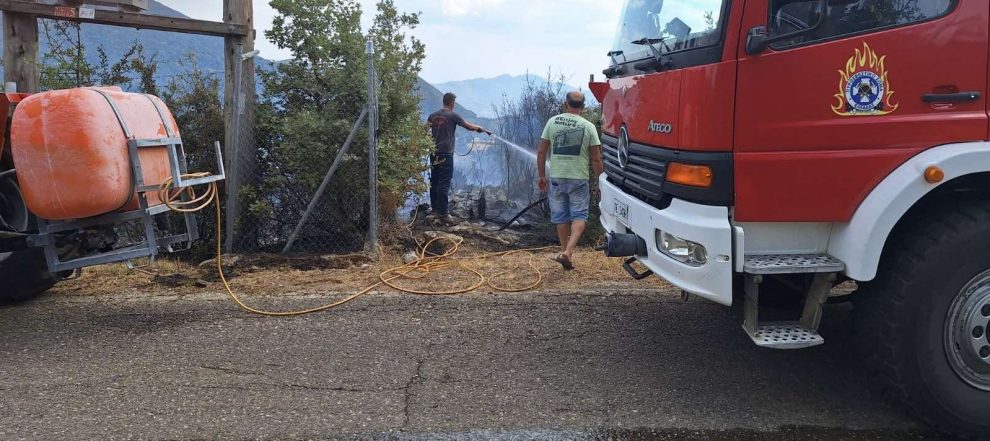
{"points": [[924, 321], [23, 276]]}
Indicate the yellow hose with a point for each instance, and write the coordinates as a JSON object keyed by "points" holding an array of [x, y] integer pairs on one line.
{"points": [[424, 264]]}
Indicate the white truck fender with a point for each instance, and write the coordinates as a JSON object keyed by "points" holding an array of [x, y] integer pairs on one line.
{"points": [[860, 242]]}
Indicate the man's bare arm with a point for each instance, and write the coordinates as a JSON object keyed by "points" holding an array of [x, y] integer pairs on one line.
{"points": [[541, 157], [541, 164], [596, 160], [475, 128]]}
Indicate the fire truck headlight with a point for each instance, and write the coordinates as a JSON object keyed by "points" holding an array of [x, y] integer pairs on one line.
{"points": [[681, 250]]}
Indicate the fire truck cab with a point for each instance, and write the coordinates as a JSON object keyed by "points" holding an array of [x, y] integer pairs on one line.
{"points": [[759, 148]]}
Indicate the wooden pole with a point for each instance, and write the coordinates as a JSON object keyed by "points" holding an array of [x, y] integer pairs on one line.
{"points": [[238, 115], [20, 51]]}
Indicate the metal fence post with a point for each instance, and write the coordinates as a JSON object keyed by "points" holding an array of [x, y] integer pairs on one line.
{"points": [[372, 148], [326, 181]]}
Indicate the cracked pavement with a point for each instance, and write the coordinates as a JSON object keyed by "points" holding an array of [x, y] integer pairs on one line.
{"points": [[595, 365]]}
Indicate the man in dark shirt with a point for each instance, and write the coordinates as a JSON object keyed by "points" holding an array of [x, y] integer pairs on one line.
{"points": [[443, 123]]}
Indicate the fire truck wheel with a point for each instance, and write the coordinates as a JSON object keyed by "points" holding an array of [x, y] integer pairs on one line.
{"points": [[924, 321], [24, 276]]}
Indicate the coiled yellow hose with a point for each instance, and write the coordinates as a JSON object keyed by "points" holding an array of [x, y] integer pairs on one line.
{"points": [[424, 264]]}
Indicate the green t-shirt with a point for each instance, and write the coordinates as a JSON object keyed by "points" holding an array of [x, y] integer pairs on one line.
{"points": [[570, 137]]}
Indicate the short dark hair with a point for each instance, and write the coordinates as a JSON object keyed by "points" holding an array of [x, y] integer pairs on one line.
{"points": [[448, 99], [575, 100]]}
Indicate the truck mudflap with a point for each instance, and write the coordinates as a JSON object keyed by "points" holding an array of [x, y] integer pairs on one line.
{"points": [[703, 225]]}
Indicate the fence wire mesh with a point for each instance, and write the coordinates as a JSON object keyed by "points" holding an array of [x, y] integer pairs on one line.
{"points": [[302, 183], [280, 175]]}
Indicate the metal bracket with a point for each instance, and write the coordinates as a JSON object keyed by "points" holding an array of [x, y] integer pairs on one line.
{"points": [[821, 286], [751, 307], [627, 265]]}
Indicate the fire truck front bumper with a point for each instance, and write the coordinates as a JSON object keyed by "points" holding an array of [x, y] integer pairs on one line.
{"points": [[687, 244]]}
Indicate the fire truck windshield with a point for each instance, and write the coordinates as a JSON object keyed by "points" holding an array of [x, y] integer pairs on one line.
{"points": [[682, 24]]}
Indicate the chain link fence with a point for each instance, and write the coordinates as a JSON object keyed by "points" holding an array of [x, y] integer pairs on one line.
{"points": [[297, 193], [283, 189]]}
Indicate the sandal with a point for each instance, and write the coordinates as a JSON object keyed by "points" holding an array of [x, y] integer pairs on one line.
{"points": [[564, 262]]}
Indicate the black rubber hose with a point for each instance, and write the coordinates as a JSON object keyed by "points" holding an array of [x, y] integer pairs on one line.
{"points": [[530, 207]]}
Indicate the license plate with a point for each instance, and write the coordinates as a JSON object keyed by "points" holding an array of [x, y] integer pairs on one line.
{"points": [[621, 210]]}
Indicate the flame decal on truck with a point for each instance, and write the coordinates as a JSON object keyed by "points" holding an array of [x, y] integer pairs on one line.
{"points": [[864, 88]]}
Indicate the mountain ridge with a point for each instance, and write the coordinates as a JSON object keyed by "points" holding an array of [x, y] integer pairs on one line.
{"points": [[431, 100], [484, 95]]}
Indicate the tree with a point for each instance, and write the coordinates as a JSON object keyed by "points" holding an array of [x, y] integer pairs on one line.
{"points": [[310, 103], [521, 120], [403, 141], [195, 102], [65, 65]]}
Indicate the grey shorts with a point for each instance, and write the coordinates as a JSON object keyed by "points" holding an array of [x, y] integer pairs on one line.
{"points": [[569, 200]]}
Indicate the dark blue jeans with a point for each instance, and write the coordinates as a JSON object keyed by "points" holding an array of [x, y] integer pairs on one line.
{"points": [[441, 172]]}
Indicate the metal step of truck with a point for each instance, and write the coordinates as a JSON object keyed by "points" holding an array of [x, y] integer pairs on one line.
{"points": [[799, 334], [792, 264], [786, 335]]}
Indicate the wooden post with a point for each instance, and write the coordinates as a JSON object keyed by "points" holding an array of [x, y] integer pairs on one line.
{"points": [[238, 112], [20, 51]]}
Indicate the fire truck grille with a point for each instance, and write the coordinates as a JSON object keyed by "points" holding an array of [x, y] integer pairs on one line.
{"points": [[643, 175]]}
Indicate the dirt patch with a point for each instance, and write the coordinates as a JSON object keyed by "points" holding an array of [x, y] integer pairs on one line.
{"points": [[265, 275], [487, 260], [260, 262]]}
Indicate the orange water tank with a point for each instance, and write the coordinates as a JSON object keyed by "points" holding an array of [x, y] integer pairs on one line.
{"points": [[71, 154]]}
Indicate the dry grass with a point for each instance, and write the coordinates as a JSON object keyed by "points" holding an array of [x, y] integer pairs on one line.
{"points": [[275, 275]]}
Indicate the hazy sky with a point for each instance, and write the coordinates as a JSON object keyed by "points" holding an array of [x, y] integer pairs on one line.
{"points": [[483, 38]]}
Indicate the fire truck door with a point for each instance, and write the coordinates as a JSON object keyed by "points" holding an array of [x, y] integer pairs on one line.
{"points": [[822, 117]]}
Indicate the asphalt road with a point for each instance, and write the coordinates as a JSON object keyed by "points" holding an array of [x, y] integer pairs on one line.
{"points": [[622, 365]]}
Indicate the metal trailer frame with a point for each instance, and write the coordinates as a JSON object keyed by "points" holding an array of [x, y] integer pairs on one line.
{"points": [[48, 230]]}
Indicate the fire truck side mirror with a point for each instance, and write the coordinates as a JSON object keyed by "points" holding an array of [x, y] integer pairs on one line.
{"points": [[757, 40]]}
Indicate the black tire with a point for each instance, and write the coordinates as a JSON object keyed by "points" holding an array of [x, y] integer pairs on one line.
{"points": [[23, 276], [902, 316]]}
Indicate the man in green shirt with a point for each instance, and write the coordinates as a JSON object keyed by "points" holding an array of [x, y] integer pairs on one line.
{"points": [[573, 145]]}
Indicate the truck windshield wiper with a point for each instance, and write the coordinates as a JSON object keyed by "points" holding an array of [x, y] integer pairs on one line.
{"points": [[615, 69], [652, 42], [655, 64], [615, 61]]}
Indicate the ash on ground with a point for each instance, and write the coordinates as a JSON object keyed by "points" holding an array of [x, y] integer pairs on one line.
{"points": [[486, 218]]}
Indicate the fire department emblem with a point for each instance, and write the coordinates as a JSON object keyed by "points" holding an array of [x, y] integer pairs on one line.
{"points": [[864, 86]]}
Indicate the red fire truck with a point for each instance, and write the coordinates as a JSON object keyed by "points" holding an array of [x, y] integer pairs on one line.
{"points": [[777, 148]]}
